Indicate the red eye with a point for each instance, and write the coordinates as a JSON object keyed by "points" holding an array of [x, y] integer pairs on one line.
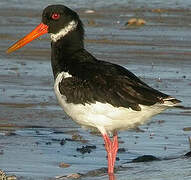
{"points": [[55, 16]]}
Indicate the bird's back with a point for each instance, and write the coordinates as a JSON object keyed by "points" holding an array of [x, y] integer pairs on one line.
{"points": [[93, 81]]}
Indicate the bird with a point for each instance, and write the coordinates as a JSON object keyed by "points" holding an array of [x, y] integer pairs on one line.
{"points": [[96, 94]]}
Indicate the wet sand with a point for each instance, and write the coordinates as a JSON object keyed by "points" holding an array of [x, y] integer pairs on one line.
{"points": [[36, 136]]}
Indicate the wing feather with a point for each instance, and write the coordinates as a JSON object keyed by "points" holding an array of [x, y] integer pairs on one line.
{"points": [[108, 83]]}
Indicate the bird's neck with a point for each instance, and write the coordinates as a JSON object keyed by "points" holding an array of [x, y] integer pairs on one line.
{"points": [[63, 49]]}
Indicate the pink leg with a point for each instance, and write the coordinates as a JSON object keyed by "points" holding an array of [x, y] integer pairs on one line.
{"points": [[115, 147], [111, 148]]}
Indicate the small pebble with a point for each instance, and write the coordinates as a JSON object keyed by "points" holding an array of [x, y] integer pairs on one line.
{"points": [[64, 165], [187, 129], [74, 176], [77, 137], [188, 154], [135, 22], [10, 134], [158, 10], [117, 159], [48, 143], [1, 152], [89, 11], [91, 22], [121, 150], [62, 142], [145, 158], [184, 77], [86, 149]]}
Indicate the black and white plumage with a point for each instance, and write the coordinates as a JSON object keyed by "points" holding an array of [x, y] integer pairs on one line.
{"points": [[124, 100], [94, 93]]}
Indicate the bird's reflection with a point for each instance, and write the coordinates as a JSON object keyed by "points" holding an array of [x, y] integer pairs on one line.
{"points": [[112, 176]]}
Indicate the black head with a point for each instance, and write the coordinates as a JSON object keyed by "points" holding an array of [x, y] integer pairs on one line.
{"points": [[57, 17], [61, 22]]}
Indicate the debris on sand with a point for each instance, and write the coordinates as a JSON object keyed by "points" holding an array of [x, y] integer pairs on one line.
{"points": [[91, 22], [121, 150], [70, 176], [189, 139], [77, 137], [145, 158], [187, 129], [64, 165], [89, 11], [159, 10], [95, 172], [86, 149], [135, 22], [62, 142], [74, 176], [188, 154], [100, 172]]}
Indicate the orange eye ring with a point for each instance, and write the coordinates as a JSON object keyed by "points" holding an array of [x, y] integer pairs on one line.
{"points": [[55, 16]]}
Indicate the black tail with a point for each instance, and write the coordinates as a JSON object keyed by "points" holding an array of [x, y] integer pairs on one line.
{"points": [[176, 101]]}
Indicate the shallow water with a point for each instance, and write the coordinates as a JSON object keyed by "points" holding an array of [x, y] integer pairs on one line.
{"points": [[32, 124]]}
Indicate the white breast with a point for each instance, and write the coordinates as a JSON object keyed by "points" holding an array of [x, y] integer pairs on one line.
{"points": [[104, 116]]}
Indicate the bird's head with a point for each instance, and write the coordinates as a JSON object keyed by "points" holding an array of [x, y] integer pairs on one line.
{"points": [[58, 20]]}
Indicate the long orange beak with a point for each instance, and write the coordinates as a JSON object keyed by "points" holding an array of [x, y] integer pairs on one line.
{"points": [[38, 31]]}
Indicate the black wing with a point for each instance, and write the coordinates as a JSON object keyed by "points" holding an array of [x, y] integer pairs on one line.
{"points": [[107, 83]]}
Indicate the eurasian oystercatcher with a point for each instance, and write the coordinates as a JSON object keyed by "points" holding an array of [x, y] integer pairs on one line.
{"points": [[94, 93]]}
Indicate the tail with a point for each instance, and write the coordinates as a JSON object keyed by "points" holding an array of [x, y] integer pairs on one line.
{"points": [[173, 102]]}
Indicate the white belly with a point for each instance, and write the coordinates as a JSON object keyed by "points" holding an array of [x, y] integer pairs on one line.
{"points": [[104, 116]]}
